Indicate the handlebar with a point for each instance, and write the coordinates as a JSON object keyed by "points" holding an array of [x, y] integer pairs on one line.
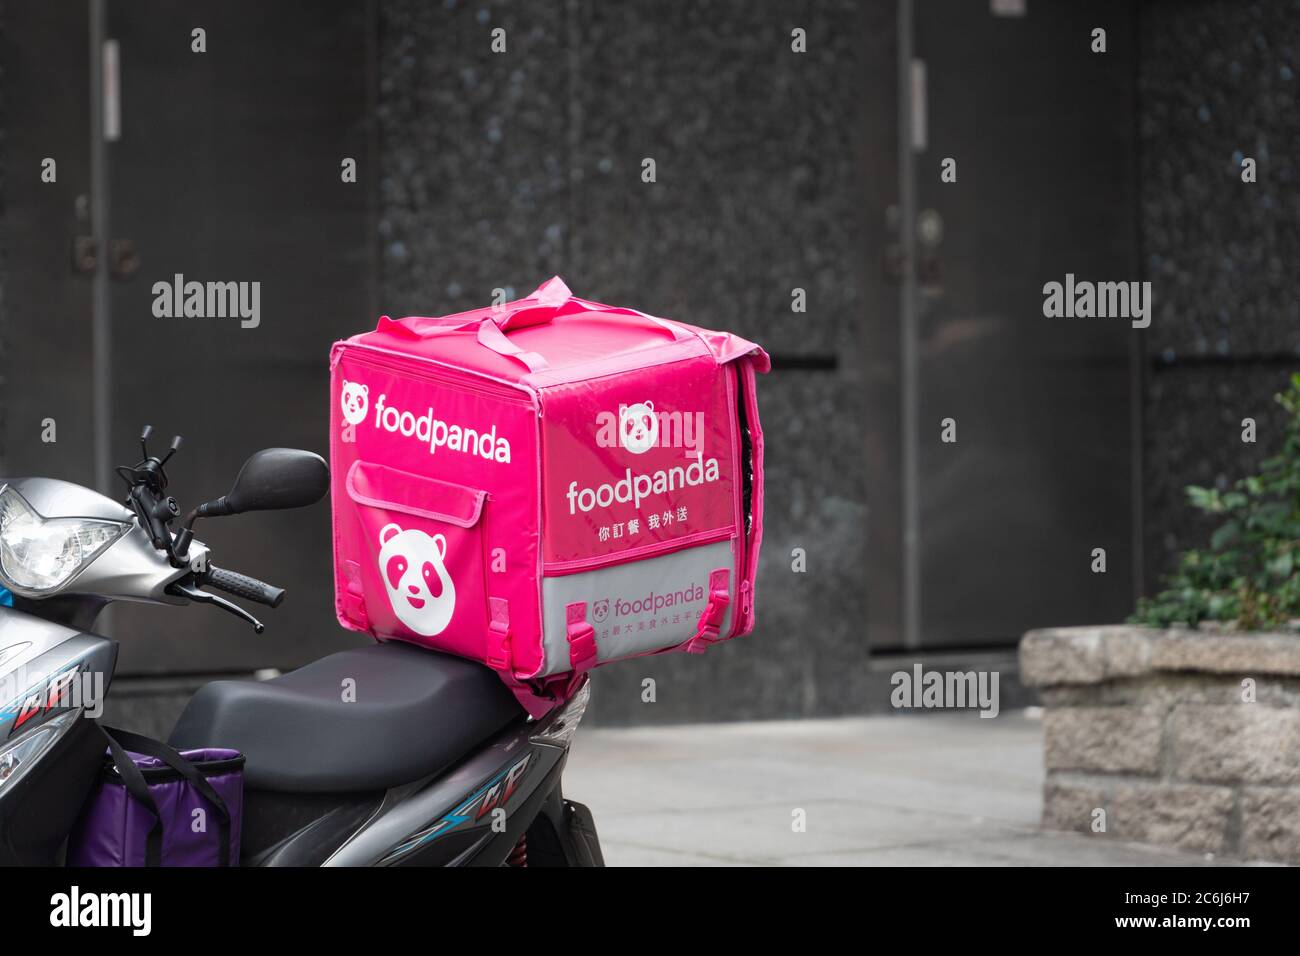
{"points": [[241, 585]]}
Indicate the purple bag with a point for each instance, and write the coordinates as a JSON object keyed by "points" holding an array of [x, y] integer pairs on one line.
{"points": [[143, 810]]}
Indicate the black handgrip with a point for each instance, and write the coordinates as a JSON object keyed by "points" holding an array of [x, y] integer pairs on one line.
{"points": [[241, 585]]}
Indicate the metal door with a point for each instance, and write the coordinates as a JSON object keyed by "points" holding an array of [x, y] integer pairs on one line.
{"points": [[1005, 520], [206, 140]]}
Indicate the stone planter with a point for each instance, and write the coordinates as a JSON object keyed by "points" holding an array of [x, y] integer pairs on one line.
{"points": [[1182, 738]]}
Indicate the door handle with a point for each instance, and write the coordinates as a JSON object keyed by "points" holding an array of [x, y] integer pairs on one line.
{"points": [[123, 256], [85, 254]]}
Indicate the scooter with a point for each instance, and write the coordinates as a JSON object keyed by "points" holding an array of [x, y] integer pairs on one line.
{"points": [[429, 761]]}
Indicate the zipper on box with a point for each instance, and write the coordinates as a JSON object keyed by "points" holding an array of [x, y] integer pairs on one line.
{"points": [[419, 367], [738, 483]]}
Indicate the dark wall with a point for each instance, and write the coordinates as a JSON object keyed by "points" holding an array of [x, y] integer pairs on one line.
{"points": [[1217, 82], [499, 170]]}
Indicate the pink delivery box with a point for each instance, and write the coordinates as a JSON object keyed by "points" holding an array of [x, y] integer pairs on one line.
{"points": [[546, 485]]}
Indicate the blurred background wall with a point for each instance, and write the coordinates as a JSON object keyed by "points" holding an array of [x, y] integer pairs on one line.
{"points": [[776, 170], [1217, 83], [767, 180]]}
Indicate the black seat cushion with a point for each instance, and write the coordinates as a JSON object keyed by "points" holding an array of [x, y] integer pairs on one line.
{"points": [[415, 712]]}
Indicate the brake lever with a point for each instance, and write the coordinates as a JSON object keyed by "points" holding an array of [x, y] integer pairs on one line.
{"points": [[199, 596]]}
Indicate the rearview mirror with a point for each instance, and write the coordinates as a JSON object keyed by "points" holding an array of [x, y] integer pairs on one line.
{"points": [[276, 478]]}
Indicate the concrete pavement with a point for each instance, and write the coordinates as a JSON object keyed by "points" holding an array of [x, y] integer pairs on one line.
{"points": [[946, 789]]}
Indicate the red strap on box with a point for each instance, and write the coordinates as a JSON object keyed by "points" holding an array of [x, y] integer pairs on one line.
{"points": [[498, 635], [714, 611], [582, 636]]}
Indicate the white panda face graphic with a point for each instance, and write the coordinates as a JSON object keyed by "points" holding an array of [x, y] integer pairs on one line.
{"points": [[420, 590], [638, 428], [355, 400]]}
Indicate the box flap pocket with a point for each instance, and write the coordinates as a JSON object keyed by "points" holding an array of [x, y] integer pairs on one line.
{"points": [[416, 568], [379, 486]]}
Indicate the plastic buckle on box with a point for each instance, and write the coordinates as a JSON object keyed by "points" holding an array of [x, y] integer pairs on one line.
{"points": [[713, 613], [356, 611], [582, 636], [354, 603], [498, 636]]}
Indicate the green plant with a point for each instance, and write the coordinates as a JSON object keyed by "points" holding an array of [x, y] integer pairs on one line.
{"points": [[1250, 574]]}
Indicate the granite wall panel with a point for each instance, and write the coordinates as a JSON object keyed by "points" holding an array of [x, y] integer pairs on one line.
{"points": [[498, 170], [1217, 83]]}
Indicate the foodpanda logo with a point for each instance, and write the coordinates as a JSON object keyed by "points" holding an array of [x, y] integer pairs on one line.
{"points": [[653, 602], [638, 427], [355, 399], [425, 427], [636, 488], [413, 567]]}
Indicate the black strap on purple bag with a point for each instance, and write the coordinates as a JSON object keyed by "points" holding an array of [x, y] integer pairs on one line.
{"points": [[133, 780]]}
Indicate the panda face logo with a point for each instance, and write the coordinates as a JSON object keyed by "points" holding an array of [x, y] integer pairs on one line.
{"points": [[600, 610], [420, 590], [355, 400], [638, 427]]}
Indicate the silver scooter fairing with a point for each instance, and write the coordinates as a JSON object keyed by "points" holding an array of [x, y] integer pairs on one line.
{"points": [[51, 677], [498, 796]]}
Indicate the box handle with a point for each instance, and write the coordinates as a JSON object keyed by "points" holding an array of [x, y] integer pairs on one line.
{"points": [[552, 298]]}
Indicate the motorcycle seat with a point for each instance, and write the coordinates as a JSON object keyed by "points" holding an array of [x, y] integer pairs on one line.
{"points": [[415, 712]]}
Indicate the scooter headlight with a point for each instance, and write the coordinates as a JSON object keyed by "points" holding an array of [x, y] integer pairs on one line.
{"points": [[38, 554], [16, 758]]}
